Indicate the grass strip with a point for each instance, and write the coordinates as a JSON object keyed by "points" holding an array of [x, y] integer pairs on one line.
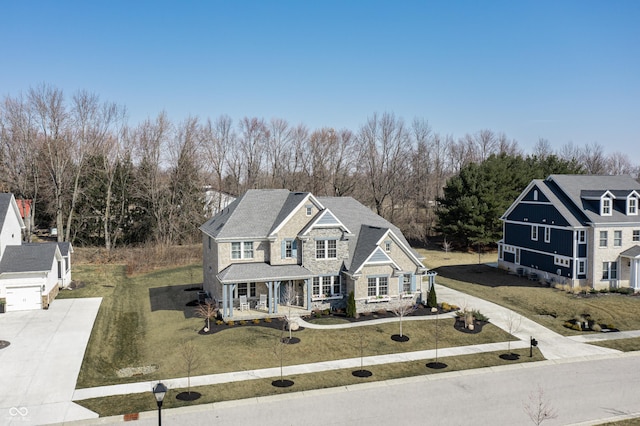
{"points": [[134, 403]]}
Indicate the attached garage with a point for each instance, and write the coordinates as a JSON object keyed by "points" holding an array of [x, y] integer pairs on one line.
{"points": [[23, 298]]}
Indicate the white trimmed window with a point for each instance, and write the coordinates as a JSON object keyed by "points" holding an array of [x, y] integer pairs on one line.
{"points": [[377, 286], [309, 210], [604, 236], [582, 236], [605, 206], [326, 286], [534, 232], [406, 283], [561, 261], [387, 246], [242, 250], [617, 238], [582, 267], [547, 234], [609, 270], [636, 235], [632, 206], [326, 249]]}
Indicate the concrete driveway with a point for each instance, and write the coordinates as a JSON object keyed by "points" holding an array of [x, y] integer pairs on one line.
{"points": [[39, 369]]}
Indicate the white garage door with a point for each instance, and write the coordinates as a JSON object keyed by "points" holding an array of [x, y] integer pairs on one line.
{"points": [[23, 298]]}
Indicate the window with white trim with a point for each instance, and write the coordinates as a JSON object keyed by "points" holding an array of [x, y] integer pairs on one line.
{"points": [[582, 267], [609, 270], [309, 210], [377, 286], [326, 286], [636, 235], [406, 283], [534, 232], [604, 236], [517, 260], [605, 206], [242, 250], [387, 246], [561, 261], [632, 206], [326, 249], [582, 236], [547, 234], [617, 238]]}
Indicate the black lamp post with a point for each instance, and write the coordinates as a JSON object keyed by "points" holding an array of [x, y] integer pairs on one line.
{"points": [[159, 391]]}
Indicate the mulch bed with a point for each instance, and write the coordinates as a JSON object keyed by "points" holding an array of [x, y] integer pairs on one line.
{"points": [[188, 396], [477, 326], [282, 383], [276, 324], [362, 373], [510, 357], [436, 365], [399, 338]]}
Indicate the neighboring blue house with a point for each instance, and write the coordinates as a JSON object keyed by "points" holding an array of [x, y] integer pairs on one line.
{"points": [[575, 229]]}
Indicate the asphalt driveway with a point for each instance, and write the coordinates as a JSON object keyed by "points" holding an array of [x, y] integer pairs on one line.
{"points": [[39, 369]]}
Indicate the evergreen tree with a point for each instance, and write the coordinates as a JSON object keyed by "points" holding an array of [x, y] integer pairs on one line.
{"points": [[473, 202], [432, 299]]}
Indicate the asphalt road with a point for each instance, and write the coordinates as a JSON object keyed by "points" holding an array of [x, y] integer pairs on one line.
{"points": [[580, 392]]}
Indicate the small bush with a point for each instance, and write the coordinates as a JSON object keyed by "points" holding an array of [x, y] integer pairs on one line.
{"points": [[219, 322], [256, 321], [479, 316], [596, 327], [267, 320], [230, 323], [351, 305], [243, 322], [381, 312], [326, 311]]}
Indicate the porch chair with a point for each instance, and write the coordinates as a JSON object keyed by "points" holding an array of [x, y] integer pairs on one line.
{"points": [[262, 304], [244, 304]]}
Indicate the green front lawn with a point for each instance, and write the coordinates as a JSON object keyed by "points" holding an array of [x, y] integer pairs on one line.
{"points": [[144, 321]]}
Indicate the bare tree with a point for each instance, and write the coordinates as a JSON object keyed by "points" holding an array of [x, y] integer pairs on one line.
{"points": [[401, 310], [217, 139], [593, 159], [513, 322], [384, 148], [538, 408], [191, 357], [49, 112], [287, 299], [486, 143], [360, 343], [252, 142], [619, 164], [207, 311], [279, 350], [542, 149]]}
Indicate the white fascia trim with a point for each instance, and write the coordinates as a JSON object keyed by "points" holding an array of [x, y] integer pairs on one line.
{"points": [[314, 224], [543, 225], [406, 250], [367, 263], [305, 200]]}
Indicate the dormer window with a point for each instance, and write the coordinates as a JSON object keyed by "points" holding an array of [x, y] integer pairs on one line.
{"points": [[632, 205], [605, 206]]}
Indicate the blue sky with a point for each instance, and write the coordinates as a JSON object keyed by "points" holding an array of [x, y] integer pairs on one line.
{"points": [[567, 71]]}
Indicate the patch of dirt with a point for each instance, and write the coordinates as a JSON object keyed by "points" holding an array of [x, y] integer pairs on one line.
{"points": [[136, 371]]}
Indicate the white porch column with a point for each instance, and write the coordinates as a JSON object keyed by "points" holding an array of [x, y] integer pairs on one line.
{"points": [[308, 283], [634, 279]]}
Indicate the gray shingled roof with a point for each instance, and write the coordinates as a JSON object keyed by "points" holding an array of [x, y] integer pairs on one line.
{"points": [[631, 252], [249, 272], [28, 258], [363, 223], [574, 186], [252, 215]]}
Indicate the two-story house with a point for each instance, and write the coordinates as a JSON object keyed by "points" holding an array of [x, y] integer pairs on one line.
{"points": [[575, 229], [31, 274], [267, 241]]}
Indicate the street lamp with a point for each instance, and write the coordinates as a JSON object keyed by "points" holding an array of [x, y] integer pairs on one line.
{"points": [[159, 391]]}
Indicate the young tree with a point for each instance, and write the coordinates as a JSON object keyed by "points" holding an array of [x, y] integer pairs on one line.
{"points": [[432, 298], [287, 299], [207, 311], [538, 408], [401, 310], [191, 357], [361, 343], [279, 350], [513, 321]]}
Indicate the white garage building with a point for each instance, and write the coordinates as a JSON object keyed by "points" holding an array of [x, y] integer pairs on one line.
{"points": [[31, 274]]}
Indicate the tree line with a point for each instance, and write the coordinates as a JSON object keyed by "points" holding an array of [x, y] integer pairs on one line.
{"points": [[104, 182]]}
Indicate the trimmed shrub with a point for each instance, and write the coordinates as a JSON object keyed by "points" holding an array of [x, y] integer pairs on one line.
{"points": [[243, 322], [219, 322], [256, 321], [351, 305], [231, 323], [267, 320]]}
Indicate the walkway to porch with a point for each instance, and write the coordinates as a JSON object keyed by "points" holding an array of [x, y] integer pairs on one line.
{"points": [[253, 313]]}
